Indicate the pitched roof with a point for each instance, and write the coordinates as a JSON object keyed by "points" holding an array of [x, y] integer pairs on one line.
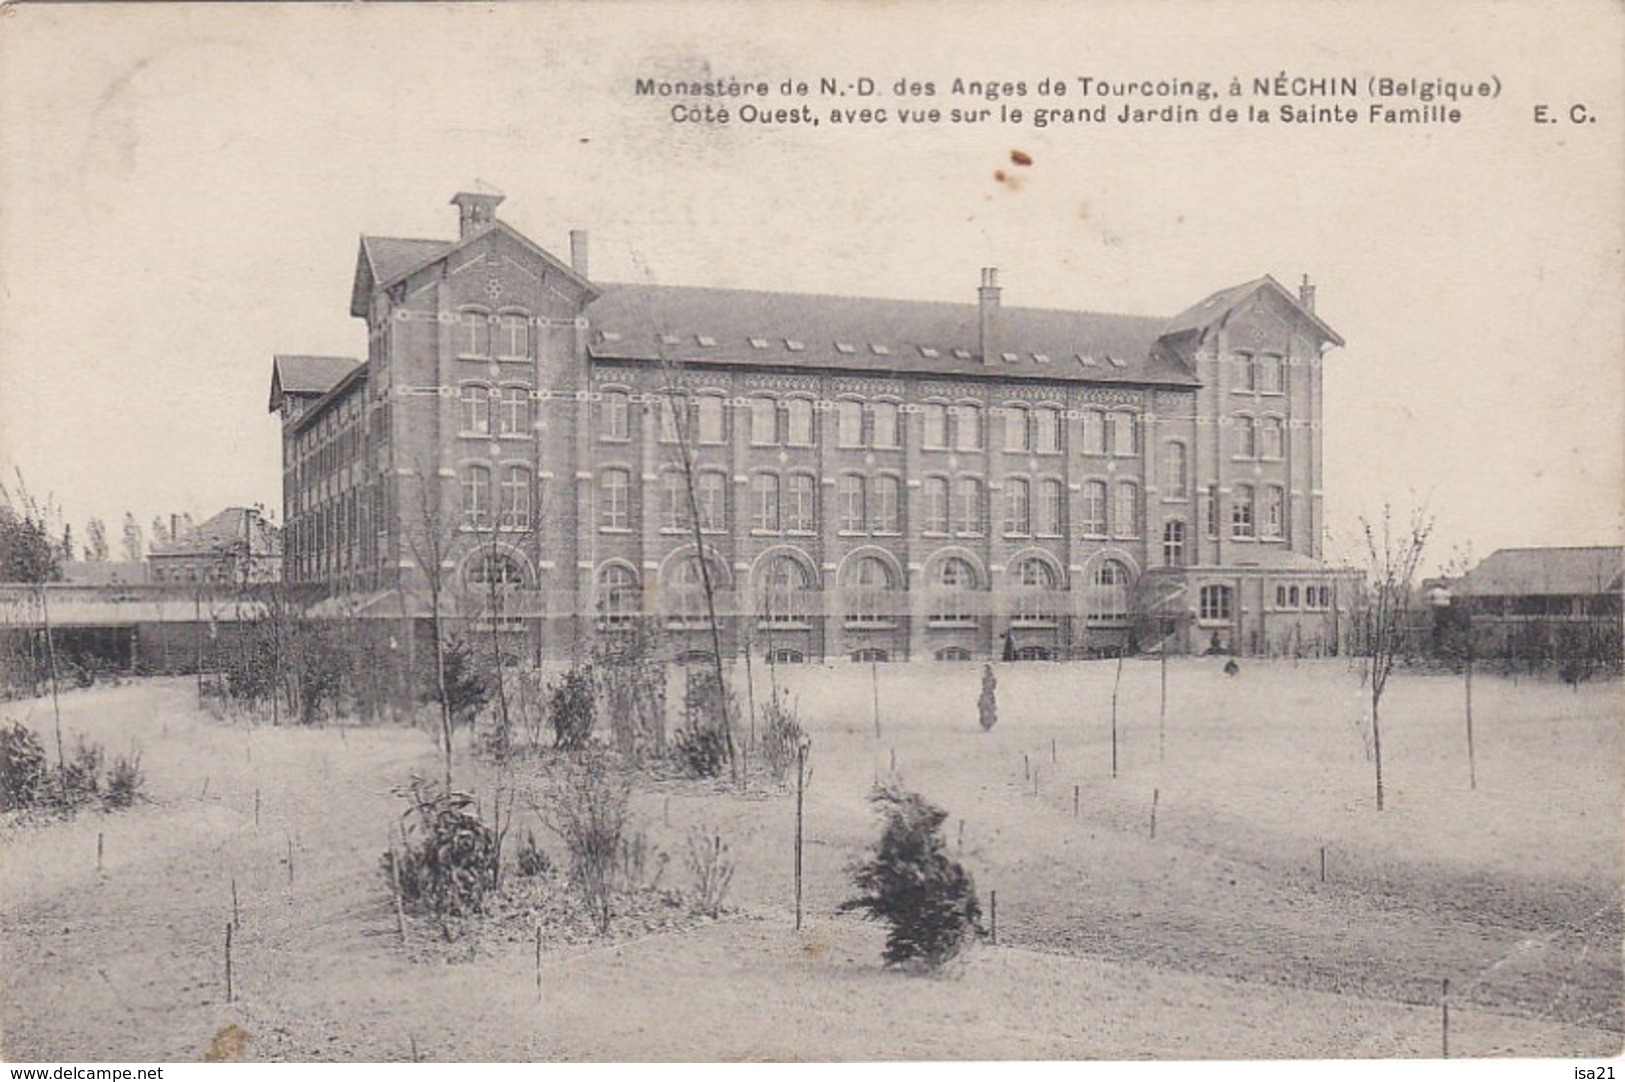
{"points": [[747, 327], [295, 374], [1546, 571], [1213, 309], [219, 534], [383, 261]]}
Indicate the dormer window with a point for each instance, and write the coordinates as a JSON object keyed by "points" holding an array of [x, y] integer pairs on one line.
{"points": [[794, 345], [845, 347], [929, 352], [705, 340], [879, 350], [962, 354], [758, 343]]}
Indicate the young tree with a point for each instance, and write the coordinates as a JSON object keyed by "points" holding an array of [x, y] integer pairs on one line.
{"points": [[1393, 553], [27, 555], [431, 535], [96, 551], [131, 545]]}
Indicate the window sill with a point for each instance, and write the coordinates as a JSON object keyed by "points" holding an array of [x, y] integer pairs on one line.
{"points": [[606, 438], [950, 621], [870, 625], [763, 531], [623, 530]]}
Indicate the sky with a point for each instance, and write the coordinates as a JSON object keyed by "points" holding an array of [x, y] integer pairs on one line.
{"points": [[182, 190]]}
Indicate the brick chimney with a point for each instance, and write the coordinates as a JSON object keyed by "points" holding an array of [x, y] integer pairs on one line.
{"points": [[578, 251], [987, 303], [1306, 294], [475, 210]]}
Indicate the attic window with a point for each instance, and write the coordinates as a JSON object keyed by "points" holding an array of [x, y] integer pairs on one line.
{"points": [[1041, 358], [705, 340], [930, 351], [962, 354], [844, 347], [1010, 358], [1116, 362], [669, 340], [879, 350], [1086, 359], [758, 343], [609, 336], [794, 345]]}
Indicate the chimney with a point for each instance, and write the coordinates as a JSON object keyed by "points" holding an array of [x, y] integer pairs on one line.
{"points": [[578, 251], [174, 527], [475, 210], [1306, 294], [987, 298]]}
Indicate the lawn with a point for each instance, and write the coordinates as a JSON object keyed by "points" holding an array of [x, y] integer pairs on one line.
{"points": [[1216, 937]]}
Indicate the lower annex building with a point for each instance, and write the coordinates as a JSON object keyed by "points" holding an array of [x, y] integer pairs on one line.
{"points": [[872, 478]]}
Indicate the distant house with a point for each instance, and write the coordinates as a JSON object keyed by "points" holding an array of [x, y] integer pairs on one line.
{"points": [[1522, 601], [236, 546]]}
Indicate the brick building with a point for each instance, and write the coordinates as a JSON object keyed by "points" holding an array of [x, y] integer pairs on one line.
{"points": [[872, 478]]}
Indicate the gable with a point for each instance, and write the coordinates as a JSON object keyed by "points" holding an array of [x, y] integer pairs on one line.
{"points": [[384, 261]]}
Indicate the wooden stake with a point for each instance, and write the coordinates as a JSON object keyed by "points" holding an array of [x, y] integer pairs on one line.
{"points": [[1053, 760], [1036, 772], [236, 917], [228, 964], [993, 915], [395, 882], [256, 809], [1026, 767], [1075, 801], [290, 857], [801, 782], [538, 963], [962, 835], [1444, 1003], [894, 760], [205, 791], [98, 852], [1323, 864], [1155, 793]]}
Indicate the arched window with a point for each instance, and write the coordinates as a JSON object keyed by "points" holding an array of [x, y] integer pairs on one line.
{"points": [[1241, 512], [1018, 507], [934, 426], [1246, 436], [1272, 515], [1175, 485], [884, 417], [674, 509], [613, 416], [968, 510], [618, 595], [1126, 515], [1017, 433], [968, 422], [473, 333], [1051, 508], [798, 422], [1047, 430], [935, 495], [764, 422], [953, 653], [951, 591], [1125, 433], [477, 495], [711, 419], [1107, 599], [515, 497], [764, 502], [785, 589], [514, 419], [1094, 433], [801, 504], [1270, 370], [850, 493], [711, 493], [866, 589], [513, 342], [685, 588], [1272, 438], [884, 497], [1093, 509], [476, 409], [614, 486], [1173, 544], [849, 423], [498, 570], [1035, 590]]}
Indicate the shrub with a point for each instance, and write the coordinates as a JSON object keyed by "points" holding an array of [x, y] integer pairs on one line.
{"points": [[712, 866], [570, 709], [702, 751], [591, 818], [631, 681], [987, 704], [532, 861], [450, 860], [911, 883], [782, 734], [124, 782], [81, 774], [468, 689], [24, 777]]}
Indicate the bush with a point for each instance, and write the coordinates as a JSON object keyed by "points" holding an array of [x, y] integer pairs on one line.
{"points": [[592, 819], [468, 689], [451, 857], [24, 777], [702, 751], [570, 709], [987, 704], [81, 774], [782, 734], [712, 866], [532, 861], [911, 883], [124, 783]]}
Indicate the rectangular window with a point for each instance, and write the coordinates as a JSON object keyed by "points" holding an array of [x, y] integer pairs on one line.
{"points": [[851, 497], [1017, 432], [1271, 518], [1094, 433], [515, 411], [1047, 430], [883, 504], [613, 487], [968, 426], [934, 426], [671, 421], [474, 335], [1246, 372], [798, 416], [800, 511], [1017, 507], [613, 416], [1210, 511], [849, 423], [1246, 437], [884, 415], [477, 496], [711, 493], [514, 345], [968, 514], [764, 422], [1215, 603], [1270, 369], [477, 410], [1174, 485], [1125, 433], [1050, 509], [673, 501], [936, 505], [1126, 516], [516, 498], [1241, 512], [711, 419], [1273, 438], [764, 489], [1093, 509]]}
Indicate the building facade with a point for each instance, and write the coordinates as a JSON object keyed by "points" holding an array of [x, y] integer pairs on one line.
{"points": [[861, 478]]}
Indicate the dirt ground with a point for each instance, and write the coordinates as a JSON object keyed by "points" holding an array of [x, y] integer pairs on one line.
{"points": [[1216, 937]]}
